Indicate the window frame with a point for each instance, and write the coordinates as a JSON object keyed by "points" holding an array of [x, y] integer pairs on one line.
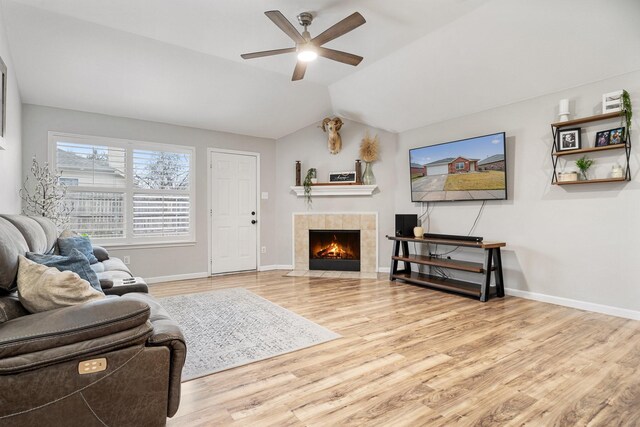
{"points": [[461, 164], [129, 190]]}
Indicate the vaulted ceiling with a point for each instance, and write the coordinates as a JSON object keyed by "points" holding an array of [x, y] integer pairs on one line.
{"points": [[425, 60]]}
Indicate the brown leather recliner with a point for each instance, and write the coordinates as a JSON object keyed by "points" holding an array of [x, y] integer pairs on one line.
{"points": [[44, 356]]}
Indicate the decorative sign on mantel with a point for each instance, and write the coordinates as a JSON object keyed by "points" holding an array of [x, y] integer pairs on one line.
{"points": [[342, 176]]}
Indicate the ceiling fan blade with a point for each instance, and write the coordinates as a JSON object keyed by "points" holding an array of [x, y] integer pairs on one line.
{"points": [[337, 55], [267, 53], [343, 27], [283, 23], [298, 72]]}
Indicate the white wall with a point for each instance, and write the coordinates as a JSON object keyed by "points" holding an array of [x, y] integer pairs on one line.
{"points": [[11, 143], [309, 145], [159, 262], [575, 242]]}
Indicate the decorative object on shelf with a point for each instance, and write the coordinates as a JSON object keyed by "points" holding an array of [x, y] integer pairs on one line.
{"points": [[612, 102], [584, 163], [298, 173], [602, 138], [308, 180], [627, 109], [617, 171], [567, 176], [418, 232], [358, 171], [332, 126], [610, 137], [369, 153], [46, 196], [616, 136], [342, 177], [563, 110], [569, 139]]}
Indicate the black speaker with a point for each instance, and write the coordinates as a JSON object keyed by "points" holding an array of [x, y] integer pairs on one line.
{"points": [[405, 224]]}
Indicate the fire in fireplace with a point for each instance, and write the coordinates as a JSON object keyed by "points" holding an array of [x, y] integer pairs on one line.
{"points": [[334, 250]]}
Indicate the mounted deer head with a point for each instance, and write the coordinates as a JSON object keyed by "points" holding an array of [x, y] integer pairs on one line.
{"points": [[332, 126]]}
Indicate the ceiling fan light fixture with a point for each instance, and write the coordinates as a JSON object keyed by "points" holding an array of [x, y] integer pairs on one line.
{"points": [[307, 54]]}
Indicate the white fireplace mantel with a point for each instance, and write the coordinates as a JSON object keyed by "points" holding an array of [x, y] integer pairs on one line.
{"points": [[336, 190]]}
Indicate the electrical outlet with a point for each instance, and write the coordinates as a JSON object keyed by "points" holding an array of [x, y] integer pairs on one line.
{"points": [[126, 259], [263, 250]]}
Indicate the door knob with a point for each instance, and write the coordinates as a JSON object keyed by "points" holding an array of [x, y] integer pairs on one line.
{"points": [[253, 212], [253, 221]]}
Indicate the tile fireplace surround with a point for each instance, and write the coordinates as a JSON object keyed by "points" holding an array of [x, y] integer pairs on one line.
{"points": [[366, 222]]}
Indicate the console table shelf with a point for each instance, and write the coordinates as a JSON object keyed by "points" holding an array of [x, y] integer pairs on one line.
{"points": [[450, 285], [491, 266], [473, 267]]}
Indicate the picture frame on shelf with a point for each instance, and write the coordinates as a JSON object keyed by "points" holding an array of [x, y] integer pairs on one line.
{"points": [[342, 177], [602, 138], [569, 139], [616, 136]]}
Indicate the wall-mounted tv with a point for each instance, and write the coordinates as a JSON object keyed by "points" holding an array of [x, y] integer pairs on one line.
{"points": [[468, 169]]}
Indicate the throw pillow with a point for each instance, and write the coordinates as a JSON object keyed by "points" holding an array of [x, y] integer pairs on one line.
{"points": [[42, 288], [68, 233], [100, 253], [81, 243], [75, 262]]}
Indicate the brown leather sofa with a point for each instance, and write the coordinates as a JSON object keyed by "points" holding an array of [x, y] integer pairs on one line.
{"points": [[42, 354]]}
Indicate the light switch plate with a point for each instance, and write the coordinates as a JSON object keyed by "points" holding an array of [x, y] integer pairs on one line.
{"points": [[265, 195]]}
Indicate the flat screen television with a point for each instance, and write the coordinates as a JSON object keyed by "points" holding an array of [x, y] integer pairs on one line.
{"points": [[468, 169]]}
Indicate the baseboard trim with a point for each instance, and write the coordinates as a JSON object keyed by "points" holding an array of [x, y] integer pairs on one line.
{"points": [[581, 305], [275, 267], [161, 279], [384, 269]]}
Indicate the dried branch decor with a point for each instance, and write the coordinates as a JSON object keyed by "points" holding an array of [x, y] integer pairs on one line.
{"points": [[369, 148], [45, 195]]}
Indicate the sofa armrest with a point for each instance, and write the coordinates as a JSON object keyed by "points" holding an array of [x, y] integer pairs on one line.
{"points": [[70, 325], [166, 333]]}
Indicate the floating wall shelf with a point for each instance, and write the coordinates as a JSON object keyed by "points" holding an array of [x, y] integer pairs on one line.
{"points": [[320, 190]]}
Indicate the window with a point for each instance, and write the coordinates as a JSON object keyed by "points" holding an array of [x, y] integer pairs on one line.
{"points": [[459, 166], [69, 181], [126, 192]]}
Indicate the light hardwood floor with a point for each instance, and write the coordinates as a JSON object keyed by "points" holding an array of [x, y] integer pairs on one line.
{"points": [[414, 356]]}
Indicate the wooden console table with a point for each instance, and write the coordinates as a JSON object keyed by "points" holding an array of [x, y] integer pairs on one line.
{"points": [[492, 263]]}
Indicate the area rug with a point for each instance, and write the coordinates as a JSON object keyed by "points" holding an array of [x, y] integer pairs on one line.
{"points": [[233, 327]]}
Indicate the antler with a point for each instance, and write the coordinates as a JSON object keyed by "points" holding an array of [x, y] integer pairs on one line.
{"points": [[325, 122]]}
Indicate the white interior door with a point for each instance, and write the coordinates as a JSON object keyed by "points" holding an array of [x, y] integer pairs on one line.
{"points": [[234, 215]]}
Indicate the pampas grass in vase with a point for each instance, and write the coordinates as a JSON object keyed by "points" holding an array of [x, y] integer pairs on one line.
{"points": [[369, 153]]}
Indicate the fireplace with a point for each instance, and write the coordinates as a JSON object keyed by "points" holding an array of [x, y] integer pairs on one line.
{"points": [[334, 250]]}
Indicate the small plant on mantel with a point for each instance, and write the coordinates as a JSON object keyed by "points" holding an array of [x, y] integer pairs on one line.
{"points": [[311, 173], [583, 163], [627, 109]]}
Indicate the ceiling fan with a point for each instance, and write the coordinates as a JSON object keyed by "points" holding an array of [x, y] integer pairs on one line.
{"points": [[309, 48]]}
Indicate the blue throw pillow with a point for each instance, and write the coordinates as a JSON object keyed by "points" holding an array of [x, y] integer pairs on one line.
{"points": [[81, 243], [75, 262]]}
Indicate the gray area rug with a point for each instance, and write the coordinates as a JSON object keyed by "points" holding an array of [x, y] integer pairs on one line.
{"points": [[234, 327]]}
